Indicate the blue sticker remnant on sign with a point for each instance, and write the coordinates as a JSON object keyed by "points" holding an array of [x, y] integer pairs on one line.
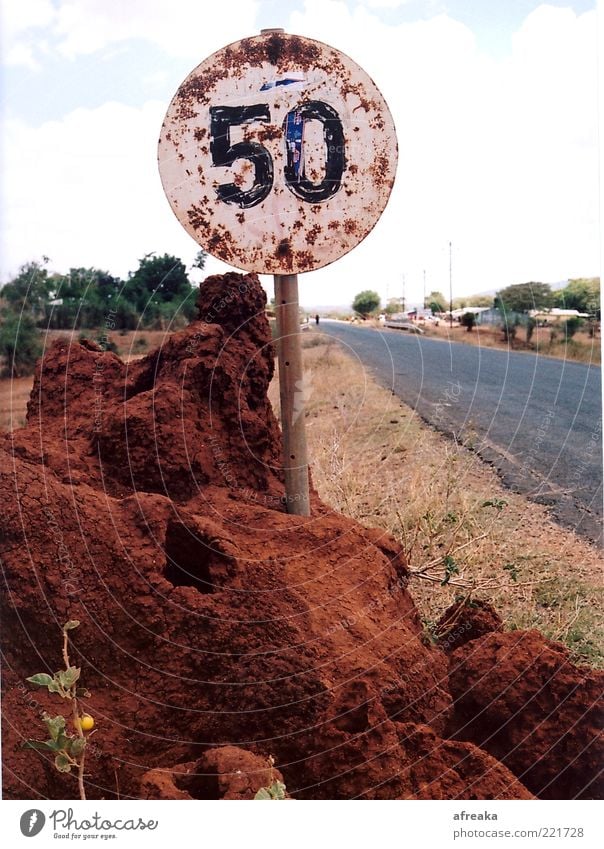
{"points": [[294, 140], [284, 81]]}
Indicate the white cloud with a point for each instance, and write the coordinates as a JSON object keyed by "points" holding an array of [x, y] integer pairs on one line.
{"points": [[86, 191], [81, 27], [181, 27], [20, 24]]}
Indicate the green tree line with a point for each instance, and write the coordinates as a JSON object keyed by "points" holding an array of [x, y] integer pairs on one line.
{"points": [[157, 295]]}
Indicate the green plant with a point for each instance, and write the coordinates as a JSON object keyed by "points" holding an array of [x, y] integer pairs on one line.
{"points": [[571, 325], [451, 568], [20, 344], [69, 748], [512, 570], [366, 302], [275, 789], [468, 320], [499, 503]]}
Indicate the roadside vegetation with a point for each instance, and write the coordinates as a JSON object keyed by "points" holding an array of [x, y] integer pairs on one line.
{"points": [[463, 532], [157, 296], [521, 317]]}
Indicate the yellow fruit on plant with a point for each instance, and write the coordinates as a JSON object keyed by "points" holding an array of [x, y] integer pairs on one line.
{"points": [[86, 722]]}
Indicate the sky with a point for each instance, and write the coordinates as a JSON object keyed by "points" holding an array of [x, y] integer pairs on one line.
{"points": [[495, 105]]}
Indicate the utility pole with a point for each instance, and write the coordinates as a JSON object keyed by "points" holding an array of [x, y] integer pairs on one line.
{"points": [[450, 287], [424, 301], [403, 293]]}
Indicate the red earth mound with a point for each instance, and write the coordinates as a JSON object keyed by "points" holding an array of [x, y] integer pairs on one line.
{"points": [[146, 500]]}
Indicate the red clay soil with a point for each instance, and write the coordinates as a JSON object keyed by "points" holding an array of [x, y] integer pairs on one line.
{"points": [[146, 500]]}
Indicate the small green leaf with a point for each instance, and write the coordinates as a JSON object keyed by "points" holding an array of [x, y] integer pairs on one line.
{"points": [[55, 725], [83, 693], [68, 677], [55, 687], [77, 746], [499, 503], [274, 792], [73, 623], [62, 763], [42, 679]]}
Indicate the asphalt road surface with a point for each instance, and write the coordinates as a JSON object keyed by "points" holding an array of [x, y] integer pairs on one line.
{"points": [[538, 420]]}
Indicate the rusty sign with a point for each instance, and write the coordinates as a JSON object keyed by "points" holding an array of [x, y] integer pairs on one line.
{"points": [[278, 154]]}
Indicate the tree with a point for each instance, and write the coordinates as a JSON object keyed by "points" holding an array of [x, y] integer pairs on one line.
{"points": [[523, 297], [468, 320], [436, 302], [19, 343], [393, 306], [159, 280], [480, 301], [366, 302], [29, 289], [582, 294], [84, 298]]}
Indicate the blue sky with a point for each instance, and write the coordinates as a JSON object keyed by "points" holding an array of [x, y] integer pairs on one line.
{"points": [[495, 105]]}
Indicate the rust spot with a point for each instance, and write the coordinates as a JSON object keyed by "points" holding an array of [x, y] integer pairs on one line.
{"points": [[380, 168], [350, 225], [240, 217], [269, 132], [353, 169], [283, 254], [333, 225], [197, 219], [311, 236], [200, 133], [304, 260]]}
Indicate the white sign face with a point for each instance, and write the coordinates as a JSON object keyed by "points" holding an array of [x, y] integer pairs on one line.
{"points": [[278, 154]]}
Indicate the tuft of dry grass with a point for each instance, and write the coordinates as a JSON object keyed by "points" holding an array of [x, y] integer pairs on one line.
{"points": [[463, 532]]}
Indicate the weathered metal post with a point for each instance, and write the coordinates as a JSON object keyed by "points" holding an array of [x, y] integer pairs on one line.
{"points": [[291, 383]]}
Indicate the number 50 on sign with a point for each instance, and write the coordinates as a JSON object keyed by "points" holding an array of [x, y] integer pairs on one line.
{"points": [[278, 154]]}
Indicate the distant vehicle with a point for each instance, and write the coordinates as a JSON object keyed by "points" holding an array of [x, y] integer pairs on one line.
{"points": [[404, 325]]}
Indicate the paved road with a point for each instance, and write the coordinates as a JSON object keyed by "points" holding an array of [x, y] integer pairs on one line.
{"points": [[537, 419]]}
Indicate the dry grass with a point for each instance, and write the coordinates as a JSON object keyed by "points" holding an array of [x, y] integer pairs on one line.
{"points": [[463, 532], [581, 348]]}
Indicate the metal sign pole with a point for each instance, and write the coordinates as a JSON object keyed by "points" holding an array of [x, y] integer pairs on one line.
{"points": [[291, 382]]}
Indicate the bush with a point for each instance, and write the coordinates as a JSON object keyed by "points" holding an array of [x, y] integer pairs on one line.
{"points": [[20, 344], [510, 328], [468, 320], [571, 325], [366, 302]]}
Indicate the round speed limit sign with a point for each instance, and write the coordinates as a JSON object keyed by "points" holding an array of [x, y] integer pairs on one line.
{"points": [[278, 154]]}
